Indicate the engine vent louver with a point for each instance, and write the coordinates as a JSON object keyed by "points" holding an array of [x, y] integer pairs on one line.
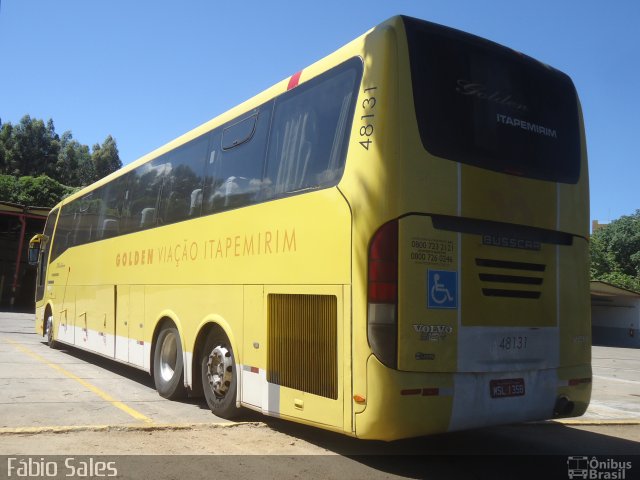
{"points": [[511, 284], [302, 349]]}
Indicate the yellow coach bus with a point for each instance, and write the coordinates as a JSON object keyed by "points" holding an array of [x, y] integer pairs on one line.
{"points": [[390, 243]]}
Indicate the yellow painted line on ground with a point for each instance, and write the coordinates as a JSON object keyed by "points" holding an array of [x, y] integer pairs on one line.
{"points": [[604, 421], [102, 394], [122, 428]]}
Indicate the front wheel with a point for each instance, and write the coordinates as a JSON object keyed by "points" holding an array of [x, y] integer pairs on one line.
{"points": [[168, 364], [48, 331], [219, 377]]}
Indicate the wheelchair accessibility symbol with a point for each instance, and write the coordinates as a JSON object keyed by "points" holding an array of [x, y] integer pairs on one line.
{"points": [[442, 289]]}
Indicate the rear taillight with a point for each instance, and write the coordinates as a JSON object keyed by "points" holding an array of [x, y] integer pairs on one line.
{"points": [[382, 312]]}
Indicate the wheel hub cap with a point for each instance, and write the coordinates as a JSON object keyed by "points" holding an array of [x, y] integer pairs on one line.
{"points": [[220, 371]]}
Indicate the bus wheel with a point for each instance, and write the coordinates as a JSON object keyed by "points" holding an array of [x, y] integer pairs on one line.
{"points": [[219, 379], [48, 326], [168, 366]]}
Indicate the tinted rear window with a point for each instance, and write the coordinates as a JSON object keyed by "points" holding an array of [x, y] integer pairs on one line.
{"points": [[483, 104]]}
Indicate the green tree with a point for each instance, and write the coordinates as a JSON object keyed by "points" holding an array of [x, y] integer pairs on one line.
{"points": [[39, 191], [32, 148], [86, 172], [9, 188], [37, 164], [615, 252], [6, 139], [71, 159], [105, 157]]}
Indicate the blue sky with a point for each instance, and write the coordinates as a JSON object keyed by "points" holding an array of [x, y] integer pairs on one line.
{"points": [[146, 71]]}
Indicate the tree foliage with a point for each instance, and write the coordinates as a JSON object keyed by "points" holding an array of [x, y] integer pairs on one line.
{"points": [[38, 158], [615, 252], [39, 191], [105, 157]]}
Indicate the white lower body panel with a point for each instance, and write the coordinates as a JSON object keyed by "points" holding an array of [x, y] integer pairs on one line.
{"points": [[473, 405]]}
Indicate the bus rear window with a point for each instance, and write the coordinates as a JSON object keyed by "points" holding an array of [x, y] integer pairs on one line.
{"points": [[485, 105]]}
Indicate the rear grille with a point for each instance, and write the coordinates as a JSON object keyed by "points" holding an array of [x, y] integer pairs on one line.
{"points": [[526, 276], [302, 350], [489, 277], [532, 267], [498, 292]]}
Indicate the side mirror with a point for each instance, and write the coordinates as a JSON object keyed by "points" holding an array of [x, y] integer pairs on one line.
{"points": [[34, 254], [34, 248]]}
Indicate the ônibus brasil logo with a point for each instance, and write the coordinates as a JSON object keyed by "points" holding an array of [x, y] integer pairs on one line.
{"points": [[594, 468]]}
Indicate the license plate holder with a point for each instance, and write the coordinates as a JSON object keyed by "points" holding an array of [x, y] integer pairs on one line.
{"points": [[507, 387]]}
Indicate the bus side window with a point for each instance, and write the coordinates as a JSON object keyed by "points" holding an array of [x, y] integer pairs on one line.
{"points": [[143, 190], [111, 208], [64, 232], [85, 223], [83, 227], [183, 179], [309, 134], [236, 162]]}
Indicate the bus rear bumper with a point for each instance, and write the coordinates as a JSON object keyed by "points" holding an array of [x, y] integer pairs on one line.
{"points": [[409, 404]]}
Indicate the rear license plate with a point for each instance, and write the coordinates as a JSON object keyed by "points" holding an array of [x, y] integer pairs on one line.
{"points": [[508, 387]]}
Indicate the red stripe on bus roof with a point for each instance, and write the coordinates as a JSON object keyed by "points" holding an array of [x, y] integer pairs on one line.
{"points": [[294, 80]]}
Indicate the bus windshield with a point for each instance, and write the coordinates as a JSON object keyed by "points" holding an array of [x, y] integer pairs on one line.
{"points": [[482, 104]]}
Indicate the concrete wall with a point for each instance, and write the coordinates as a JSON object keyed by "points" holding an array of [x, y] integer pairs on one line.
{"points": [[616, 322]]}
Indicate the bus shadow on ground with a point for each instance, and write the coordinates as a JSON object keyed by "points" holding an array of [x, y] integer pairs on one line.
{"points": [[126, 371], [532, 450], [121, 369]]}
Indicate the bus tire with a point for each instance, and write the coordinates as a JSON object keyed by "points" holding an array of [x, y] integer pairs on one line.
{"points": [[48, 331], [168, 364], [219, 376]]}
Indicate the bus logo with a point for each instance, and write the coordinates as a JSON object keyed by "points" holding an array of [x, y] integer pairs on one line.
{"points": [[510, 242], [585, 467], [433, 333], [442, 289], [578, 467]]}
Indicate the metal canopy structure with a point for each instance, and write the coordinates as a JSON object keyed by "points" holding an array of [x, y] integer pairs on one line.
{"points": [[17, 280], [603, 289]]}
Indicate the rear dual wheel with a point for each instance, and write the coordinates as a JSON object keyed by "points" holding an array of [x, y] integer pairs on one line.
{"points": [[219, 376], [217, 367]]}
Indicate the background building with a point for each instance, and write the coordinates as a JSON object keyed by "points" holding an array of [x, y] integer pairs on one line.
{"points": [[615, 316], [18, 223], [595, 225]]}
